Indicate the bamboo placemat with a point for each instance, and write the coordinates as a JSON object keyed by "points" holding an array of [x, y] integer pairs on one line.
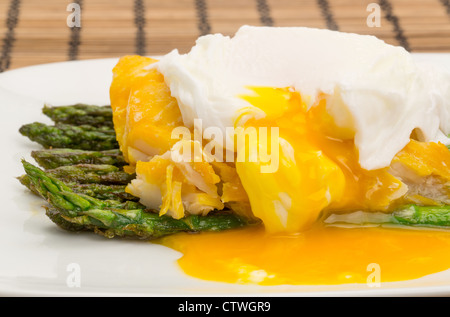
{"points": [[34, 32]]}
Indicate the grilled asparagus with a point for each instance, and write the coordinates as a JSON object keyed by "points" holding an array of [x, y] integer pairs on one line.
{"points": [[53, 158], [92, 173], [84, 137], [80, 114]]}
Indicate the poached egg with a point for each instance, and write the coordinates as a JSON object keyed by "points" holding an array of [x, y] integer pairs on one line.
{"points": [[345, 106]]}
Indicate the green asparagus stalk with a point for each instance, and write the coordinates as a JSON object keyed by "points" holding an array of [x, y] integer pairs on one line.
{"points": [[423, 215], [142, 224], [99, 191], [53, 158], [92, 174], [26, 181], [80, 114], [109, 219], [55, 216], [83, 137], [407, 216]]}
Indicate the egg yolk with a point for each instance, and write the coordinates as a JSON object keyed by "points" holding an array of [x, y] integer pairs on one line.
{"points": [[317, 172], [318, 256]]}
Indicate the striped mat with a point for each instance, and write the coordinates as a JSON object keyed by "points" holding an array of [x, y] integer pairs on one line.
{"points": [[35, 32]]}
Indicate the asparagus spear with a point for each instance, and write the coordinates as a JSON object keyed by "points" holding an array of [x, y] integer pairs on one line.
{"points": [[56, 217], [25, 180], [99, 191], [80, 114], [142, 224], [109, 219], [92, 174], [53, 158], [423, 215], [84, 137], [408, 215]]}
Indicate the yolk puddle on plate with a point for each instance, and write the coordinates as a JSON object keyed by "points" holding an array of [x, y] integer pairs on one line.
{"points": [[320, 256]]}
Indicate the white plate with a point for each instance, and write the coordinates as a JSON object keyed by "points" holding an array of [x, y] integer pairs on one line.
{"points": [[39, 259]]}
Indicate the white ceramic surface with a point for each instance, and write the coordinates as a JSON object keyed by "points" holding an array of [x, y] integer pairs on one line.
{"points": [[36, 257]]}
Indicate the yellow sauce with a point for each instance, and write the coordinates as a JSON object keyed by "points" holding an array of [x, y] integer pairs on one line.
{"points": [[319, 256]]}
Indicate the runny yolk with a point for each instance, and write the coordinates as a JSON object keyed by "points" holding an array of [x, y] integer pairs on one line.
{"points": [[319, 256], [318, 168]]}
